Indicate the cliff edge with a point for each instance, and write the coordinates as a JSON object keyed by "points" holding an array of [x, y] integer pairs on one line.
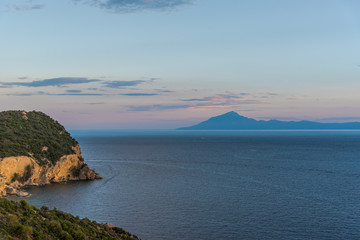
{"points": [[37, 150]]}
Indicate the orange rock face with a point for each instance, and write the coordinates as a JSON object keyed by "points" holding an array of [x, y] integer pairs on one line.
{"points": [[13, 170]]}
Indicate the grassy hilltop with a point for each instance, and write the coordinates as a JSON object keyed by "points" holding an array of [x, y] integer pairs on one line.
{"points": [[30, 133], [26, 222], [36, 150]]}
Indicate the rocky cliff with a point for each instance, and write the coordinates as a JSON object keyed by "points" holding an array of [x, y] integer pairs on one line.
{"points": [[37, 150]]}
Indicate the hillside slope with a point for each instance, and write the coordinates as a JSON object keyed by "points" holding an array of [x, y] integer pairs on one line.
{"points": [[23, 221], [29, 134]]}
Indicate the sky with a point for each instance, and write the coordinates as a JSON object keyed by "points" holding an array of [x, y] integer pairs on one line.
{"points": [[163, 64]]}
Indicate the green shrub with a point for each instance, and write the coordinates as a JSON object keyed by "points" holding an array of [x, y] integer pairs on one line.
{"points": [[27, 173], [15, 177], [19, 137], [19, 220], [75, 171], [24, 204]]}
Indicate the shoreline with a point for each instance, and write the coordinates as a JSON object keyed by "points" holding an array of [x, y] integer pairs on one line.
{"points": [[21, 171]]}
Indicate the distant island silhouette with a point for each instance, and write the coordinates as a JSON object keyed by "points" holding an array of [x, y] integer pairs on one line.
{"points": [[234, 121]]}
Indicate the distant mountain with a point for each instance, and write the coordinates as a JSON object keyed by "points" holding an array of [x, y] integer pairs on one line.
{"points": [[233, 121]]}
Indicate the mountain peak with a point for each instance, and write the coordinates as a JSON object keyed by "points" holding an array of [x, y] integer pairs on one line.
{"points": [[233, 121], [231, 113]]}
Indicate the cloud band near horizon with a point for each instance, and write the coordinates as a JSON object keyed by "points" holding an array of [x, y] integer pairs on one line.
{"points": [[61, 81], [124, 6]]}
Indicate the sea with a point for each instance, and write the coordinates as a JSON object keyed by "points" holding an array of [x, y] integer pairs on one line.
{"points": [[164, 185]]}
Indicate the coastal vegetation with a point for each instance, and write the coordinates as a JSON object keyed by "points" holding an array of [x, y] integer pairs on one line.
{"points": [[36, 150], [19, 220], [34, 134]]}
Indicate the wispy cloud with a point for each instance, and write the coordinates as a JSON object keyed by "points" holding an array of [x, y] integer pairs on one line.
{"points": [[127, 6], [266, 95], [22, 94], [54, 94], [26, 7], [76, 94], [197, 99], [62, 81], [272, 94], [156, 107], [122, 84], [139, 94], [73, 91], [216, 98], [163, 91]]}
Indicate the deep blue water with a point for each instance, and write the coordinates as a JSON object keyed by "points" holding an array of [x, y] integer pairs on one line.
{"points": [[218, 185]]}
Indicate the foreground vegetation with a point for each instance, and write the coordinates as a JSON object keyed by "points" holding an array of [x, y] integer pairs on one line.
{"points": [[33, 134], [19, 220]]}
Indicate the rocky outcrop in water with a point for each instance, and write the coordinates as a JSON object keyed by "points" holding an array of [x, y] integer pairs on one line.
{"points": [[36, 142]]}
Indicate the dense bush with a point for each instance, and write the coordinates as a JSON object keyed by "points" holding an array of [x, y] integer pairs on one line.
{"points": [[75, 171], [27, 173], [26, 134], [23, 221]]}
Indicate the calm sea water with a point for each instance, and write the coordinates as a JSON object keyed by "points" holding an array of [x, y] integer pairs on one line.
{"points": [[218, 185]]}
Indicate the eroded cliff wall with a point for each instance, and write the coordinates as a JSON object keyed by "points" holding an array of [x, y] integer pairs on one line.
{"points": [[20, 171]]}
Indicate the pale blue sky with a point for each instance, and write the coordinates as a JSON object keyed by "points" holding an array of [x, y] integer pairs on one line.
{"points": [[166, 64]]}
